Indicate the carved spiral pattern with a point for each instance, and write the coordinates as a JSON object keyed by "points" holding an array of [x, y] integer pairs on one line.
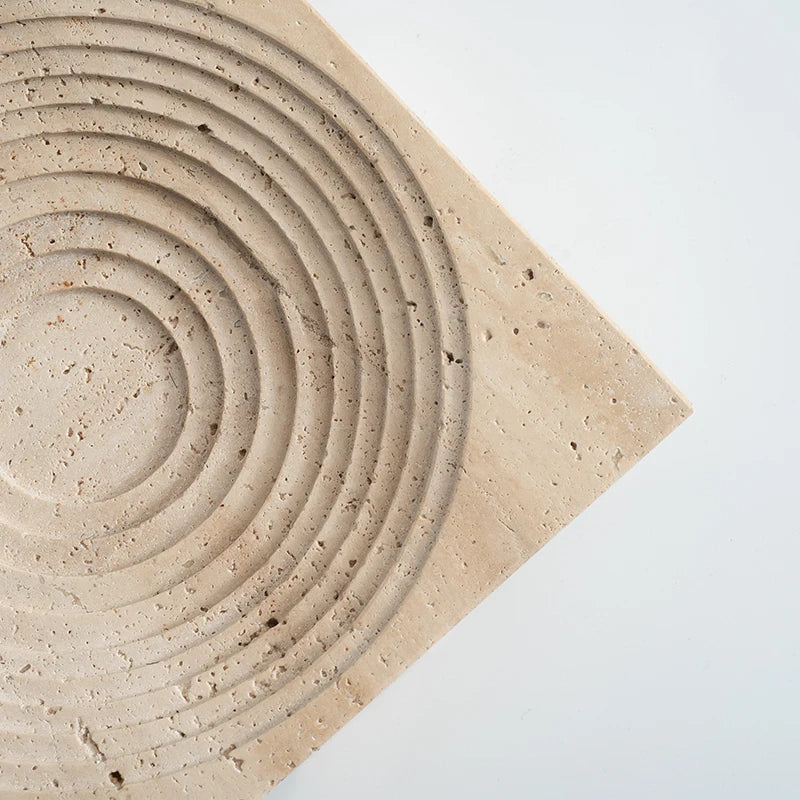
{"points": [[234, 388]]}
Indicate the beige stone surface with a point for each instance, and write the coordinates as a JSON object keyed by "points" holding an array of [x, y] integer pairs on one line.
{"points": [[283, 394]]}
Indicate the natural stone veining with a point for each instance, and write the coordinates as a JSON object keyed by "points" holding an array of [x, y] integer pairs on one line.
{"points": [[283, 394]]}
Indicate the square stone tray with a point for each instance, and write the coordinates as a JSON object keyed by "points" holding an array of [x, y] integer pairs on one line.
{"points": [[283, 394]]}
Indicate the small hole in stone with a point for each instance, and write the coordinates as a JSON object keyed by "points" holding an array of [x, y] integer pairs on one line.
{"points": [[116, 778], [516, 331], [573, 445], [528, 274], [272, 622], [242, 453], [428, 222], [203, 128]]}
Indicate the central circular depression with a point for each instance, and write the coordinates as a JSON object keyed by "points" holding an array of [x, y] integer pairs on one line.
{"points": [[96, 396]]}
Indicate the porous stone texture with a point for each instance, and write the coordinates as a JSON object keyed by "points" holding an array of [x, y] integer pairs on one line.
{"points": [[284, 394]]}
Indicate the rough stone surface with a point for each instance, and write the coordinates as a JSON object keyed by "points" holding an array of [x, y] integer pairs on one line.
{"points": [[284, 394]]}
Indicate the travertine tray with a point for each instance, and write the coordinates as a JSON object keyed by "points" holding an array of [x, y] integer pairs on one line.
{"points": [[284, 394]]}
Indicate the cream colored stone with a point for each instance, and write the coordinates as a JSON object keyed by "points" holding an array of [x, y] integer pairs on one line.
{"points": [[284, 394]]}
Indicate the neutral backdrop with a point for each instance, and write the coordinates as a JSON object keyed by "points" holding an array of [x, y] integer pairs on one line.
{"points": [[652, 650]]}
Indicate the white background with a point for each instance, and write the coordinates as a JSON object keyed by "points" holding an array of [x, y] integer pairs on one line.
{"points": [[652, 649]]}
